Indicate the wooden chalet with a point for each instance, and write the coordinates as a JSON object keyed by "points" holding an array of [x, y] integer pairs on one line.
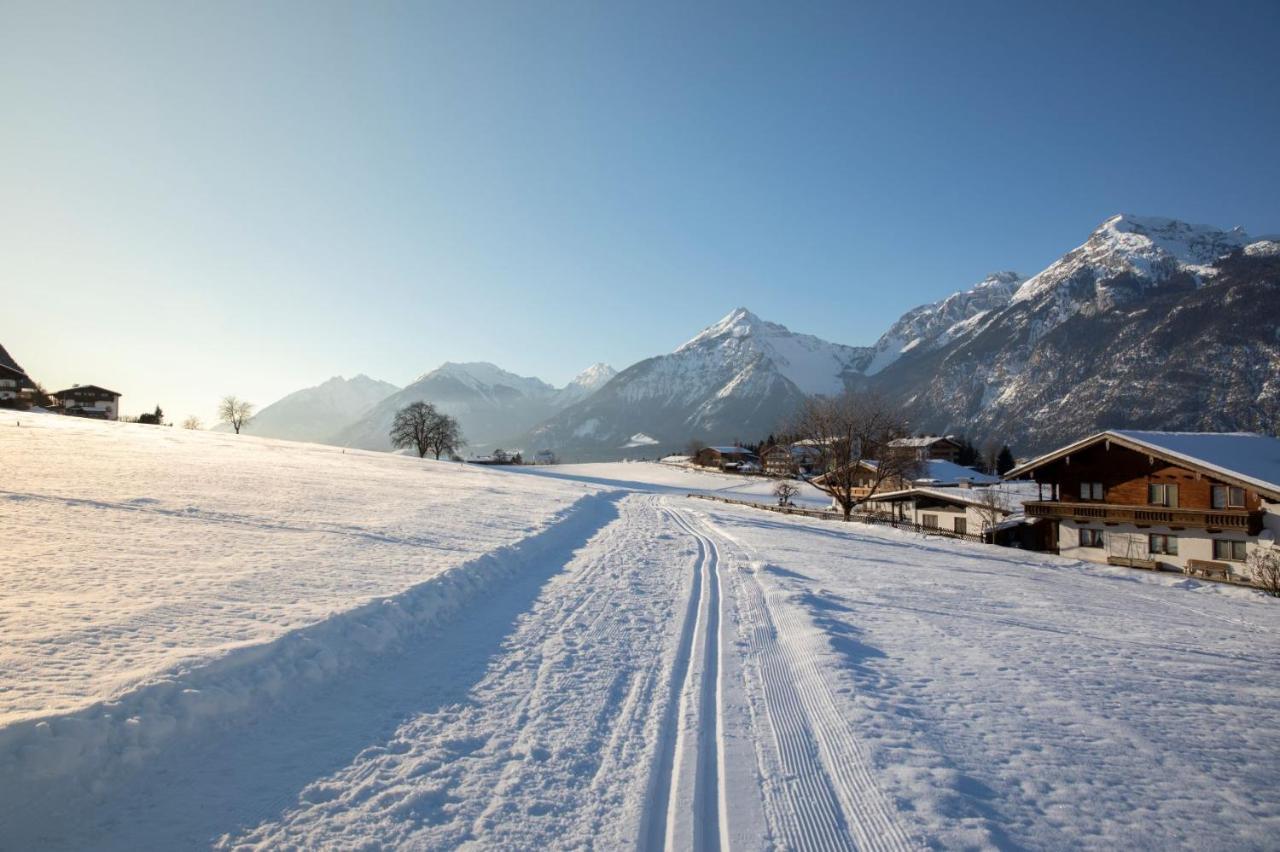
{"points": [[1188, 501], [797, 459], [89, 401], [726, 458], [939, 447]]}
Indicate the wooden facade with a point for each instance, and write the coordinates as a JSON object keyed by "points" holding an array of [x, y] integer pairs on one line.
{"points": [[89, 401], [1113, 499]]}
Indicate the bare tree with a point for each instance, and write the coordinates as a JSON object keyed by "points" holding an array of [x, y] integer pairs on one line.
{"points": [[192, 422], [694, 447], [235, 412], [784, 491], [444, 436], [991, 510], [412, 427], [852, 434], [1264, 569]]}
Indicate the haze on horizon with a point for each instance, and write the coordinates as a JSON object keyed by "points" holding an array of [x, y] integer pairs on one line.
{"points": [[250, 198]]}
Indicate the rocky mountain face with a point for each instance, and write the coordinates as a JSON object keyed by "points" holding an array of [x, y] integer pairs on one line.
{"points": [[1151, 323], [737, 378], [491, 404], [927, 327], [315, 414]]}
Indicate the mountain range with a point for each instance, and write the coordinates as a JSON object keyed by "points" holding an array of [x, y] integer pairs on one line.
{"points": [[1150, 323]]}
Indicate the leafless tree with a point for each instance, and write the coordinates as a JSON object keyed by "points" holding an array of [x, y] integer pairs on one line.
{"points": [[235, 412], [852, 434], [784, 491], [694, 447], [413, 427], [1264, 568], [991, 511], [444, 436], [192, 422]]}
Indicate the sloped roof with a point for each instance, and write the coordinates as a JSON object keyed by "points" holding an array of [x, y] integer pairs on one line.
{"points": [[87, 387], [927, 441], [6, 360], [941, 472], [960, 496], [1244, 458]]}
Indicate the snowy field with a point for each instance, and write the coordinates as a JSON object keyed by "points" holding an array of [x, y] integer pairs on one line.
{"points": [[240, 643]]}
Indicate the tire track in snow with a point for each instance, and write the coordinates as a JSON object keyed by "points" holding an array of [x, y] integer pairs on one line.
{"points": [[828, 797], [686, 805]]}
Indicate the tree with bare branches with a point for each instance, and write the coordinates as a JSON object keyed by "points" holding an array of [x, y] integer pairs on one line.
{"points": [[444, 437], [785, 490], [1264, 570], [991, 508], [853, 433], [413, 426], [235, 412], [192, 422]]}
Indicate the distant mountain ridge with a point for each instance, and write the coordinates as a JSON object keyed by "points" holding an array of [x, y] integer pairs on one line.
{"points": [[1150, 323], [490, 403], [316, 413]]}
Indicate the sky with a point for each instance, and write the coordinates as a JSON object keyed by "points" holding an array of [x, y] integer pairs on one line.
{"points": [[245, 197]]}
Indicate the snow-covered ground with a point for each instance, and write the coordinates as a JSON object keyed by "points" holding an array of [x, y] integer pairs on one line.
{"points": [[583, 657]]}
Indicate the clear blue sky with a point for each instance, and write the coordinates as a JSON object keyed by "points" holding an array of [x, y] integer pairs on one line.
{"points": [[214, 197]]}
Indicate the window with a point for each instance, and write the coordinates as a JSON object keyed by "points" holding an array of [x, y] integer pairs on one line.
{"points": [[1163, 544], [1090, 538], [1090, 490], [1162, 495], [1232, 551], [1227, 497], [930, 521], [961, 526]]}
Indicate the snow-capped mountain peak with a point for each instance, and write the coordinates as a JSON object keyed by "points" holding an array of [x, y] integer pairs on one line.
{"points": [[1148, 248], [930, 326], [814, 365], [483, 376], [593, 377]]}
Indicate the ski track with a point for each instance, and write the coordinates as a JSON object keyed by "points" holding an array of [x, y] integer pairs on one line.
{"points": [[687, 802], [828, 797]]}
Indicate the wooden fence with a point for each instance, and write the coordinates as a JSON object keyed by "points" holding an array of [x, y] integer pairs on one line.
{"points": [[859, 517]]}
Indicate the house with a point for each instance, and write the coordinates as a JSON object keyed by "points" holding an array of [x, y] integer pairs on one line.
{"points": [[935, 473], [727, 458], [89, 401], [799, 458], [15, 385], [1196, 502], [963, 511], [941, 447], [544, 457]]}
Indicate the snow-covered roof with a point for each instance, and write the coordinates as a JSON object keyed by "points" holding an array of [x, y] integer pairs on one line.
{"points": [[736, 451], [938, 471], [75, 388], [1244, 457], [927, 441], [959, 496]]}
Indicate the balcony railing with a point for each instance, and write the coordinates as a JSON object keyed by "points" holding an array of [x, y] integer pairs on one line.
{"points": [[1146, 516]]}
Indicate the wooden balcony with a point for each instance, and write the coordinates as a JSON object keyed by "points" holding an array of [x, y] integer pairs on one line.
{"points": [[1147, 516]]}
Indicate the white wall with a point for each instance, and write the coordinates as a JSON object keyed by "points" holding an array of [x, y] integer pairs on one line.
{"points": [[1127, 540]]}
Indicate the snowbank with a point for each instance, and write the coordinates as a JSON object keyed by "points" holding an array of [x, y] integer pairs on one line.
{"points": [[47, 765]]}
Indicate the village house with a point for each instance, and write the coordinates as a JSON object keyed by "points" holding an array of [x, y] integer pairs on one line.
{"points": [[14, 384], [89, 401], [726, 458], [964, 511], [934, 473], [1188, 501], [798, 459], [940, 447]]}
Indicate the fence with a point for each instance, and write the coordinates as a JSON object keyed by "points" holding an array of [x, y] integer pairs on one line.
{"points": [[860, 517]]}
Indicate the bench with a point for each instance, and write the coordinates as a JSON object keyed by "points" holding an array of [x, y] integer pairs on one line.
{"points": [[1208, 570], [1132, 562]]}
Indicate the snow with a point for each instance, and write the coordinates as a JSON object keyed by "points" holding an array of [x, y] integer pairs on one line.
{"points": [[305, 648], [1244, 455], [640, 439]]}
